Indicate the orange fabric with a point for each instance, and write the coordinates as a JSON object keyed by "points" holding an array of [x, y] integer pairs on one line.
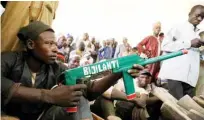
{"points": [[19, 14]]}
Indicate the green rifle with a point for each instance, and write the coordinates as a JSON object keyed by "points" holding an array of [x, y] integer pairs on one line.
{"points": [[122, 64]]}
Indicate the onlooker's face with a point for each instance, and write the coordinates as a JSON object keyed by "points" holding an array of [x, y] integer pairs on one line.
{"points": [[157, 29], [85, 36], [104, 43], [196, 16], [161, 38], [45, 48], [69, 40], [107, 42], [143, 80], [93, 41], [125, 40], [74, 62], [64, 42]]}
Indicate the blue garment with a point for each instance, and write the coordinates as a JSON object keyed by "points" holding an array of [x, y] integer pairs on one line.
{"points": [[105, 53]]}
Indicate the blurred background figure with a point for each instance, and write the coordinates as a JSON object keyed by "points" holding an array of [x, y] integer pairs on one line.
{"points": [[121, 48]]}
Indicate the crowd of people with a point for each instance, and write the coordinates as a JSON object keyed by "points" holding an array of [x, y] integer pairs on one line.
{"points": [[31, 89]]}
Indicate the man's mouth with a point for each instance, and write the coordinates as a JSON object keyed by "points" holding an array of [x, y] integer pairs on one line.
{"points": [[54, 57]]}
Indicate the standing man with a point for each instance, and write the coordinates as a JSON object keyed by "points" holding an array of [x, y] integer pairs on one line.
{"points": [[121, 48], [86, 40], [182, 72], [107, 51], [150, 46]]}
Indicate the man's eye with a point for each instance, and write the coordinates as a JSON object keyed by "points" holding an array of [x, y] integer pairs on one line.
{"points": [[47, 42]]}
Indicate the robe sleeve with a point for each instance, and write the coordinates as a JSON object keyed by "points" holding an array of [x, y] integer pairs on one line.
{"points": [[141, 44]]}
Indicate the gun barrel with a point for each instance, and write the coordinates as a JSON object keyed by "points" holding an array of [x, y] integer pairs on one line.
{"points": [[163, 57]]}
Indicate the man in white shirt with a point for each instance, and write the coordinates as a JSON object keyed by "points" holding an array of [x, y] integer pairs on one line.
{"points": [[182, 72]]}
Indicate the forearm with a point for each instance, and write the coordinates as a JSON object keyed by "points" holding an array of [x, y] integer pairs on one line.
{"points": [[31, 95], [102, 85], [175, 46], [117, 95], [140, 49], [152, 100]]}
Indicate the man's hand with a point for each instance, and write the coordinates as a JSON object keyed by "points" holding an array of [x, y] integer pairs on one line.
{"points": [[135, 70], [196, 43], [65, 96], [140, 102]]}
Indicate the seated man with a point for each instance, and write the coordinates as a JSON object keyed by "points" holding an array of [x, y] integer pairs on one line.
{"points": [[29, 76], [143, 107]]}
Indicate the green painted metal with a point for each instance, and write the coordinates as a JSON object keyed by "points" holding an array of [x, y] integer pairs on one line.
{"points": [[122, 64]]}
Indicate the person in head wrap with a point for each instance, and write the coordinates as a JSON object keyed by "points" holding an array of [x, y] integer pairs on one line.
{"points": [[30, 88], [150, 47]]}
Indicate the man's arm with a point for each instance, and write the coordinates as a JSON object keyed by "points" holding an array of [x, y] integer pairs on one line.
{"points": [[152, 100], [100, 86], [118, 95], [172, 42], [11, 91], [141, 44]]}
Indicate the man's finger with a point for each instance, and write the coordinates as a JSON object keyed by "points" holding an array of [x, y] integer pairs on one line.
{"points": [[133, 71], [78, 87], [78, 93], [139, 67], [76, 99], [74, 103], [135, 74]]}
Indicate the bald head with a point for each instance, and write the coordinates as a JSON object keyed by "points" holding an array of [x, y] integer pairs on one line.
{"points": [[156, 28], [125, 40], [196, 14], [85, 36]]}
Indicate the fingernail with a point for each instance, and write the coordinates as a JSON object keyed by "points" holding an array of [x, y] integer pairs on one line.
{"points": [[129, 71]]}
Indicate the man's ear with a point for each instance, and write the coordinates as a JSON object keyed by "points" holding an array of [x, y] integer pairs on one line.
{"points": [[30, 44]]}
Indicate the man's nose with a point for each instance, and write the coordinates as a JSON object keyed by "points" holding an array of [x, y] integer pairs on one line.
{"points": [[54, 49], [200, 18]]}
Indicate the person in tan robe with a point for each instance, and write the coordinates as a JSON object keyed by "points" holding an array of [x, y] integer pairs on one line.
{"points": [[19, 14]]}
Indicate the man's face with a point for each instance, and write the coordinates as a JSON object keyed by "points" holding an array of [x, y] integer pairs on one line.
{"points": [[69, 40], [93, 40], [45, 48], [104, 43], [196, 16], [64, 41], [157, 29], [74, 62], [143, 80], [125, 40], [85, 36], [107, 42]]}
